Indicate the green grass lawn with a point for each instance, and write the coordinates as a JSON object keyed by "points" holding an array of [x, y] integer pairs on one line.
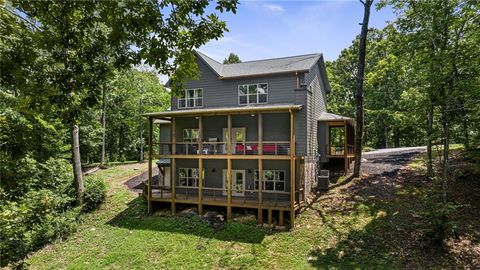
{"points": [[346, 228]]}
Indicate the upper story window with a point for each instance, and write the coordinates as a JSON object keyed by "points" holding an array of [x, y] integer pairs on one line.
{"points": [[252, 93], [191, 98]]}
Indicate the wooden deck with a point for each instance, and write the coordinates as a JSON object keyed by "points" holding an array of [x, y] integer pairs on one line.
{"points": [[220, 200]]}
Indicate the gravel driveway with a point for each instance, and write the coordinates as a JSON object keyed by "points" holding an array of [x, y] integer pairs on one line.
{"points": [[387, 162]]}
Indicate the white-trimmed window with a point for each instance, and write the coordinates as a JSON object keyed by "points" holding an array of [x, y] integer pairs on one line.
{"points": [[190, 135], [191, 98], [252, 93], [272, 180], [188, 177]]}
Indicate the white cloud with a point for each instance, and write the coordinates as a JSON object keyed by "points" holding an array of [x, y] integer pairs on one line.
{"points": [[274, 8]]}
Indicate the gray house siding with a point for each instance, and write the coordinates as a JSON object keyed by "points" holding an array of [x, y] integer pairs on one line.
{"points": [[322, 141], [224, 93], [213, 171], [276, 127], [316, 104]]}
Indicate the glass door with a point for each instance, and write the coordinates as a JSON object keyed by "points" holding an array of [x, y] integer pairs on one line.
{"points": [[238, 182]]}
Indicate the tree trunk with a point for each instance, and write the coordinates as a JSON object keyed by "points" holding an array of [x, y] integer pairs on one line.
{"points": [[77, 166], [466, 137], [359, 88], [104, 123], [385, 132], [142, 155], [446, 140], [429, 138]]}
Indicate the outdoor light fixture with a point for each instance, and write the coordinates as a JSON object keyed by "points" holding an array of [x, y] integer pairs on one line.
{"points": [[249, 171], [213, 169]]}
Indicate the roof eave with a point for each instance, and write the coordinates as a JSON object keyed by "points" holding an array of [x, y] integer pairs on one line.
{"points": [[218, 111], [264, 74]]}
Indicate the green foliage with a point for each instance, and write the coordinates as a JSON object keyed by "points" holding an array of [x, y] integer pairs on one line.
{"points": [[232, 58], [95, 193], [37, 218], [393, 108], [442, 225]]}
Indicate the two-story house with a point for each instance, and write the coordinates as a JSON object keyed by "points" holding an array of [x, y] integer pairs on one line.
{"points": [[247, 135]]}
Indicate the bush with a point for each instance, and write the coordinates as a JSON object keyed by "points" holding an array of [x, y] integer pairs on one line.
{"points": [[95, 193], [38, 218], [442, 225]]}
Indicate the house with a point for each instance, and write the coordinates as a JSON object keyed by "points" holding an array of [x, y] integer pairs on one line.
{"points": [[248, 135]]}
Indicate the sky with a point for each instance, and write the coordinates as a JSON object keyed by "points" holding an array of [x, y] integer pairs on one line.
{"points": [[264, 29], [267, 29]]}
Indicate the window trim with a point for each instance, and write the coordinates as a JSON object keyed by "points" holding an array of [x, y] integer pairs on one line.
{"points": [[274, 181], [194, 99], [188, 178], [247, 95]]}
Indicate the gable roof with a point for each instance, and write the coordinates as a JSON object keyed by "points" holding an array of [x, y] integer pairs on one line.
{"points": [[330, 117], [291, 64]]}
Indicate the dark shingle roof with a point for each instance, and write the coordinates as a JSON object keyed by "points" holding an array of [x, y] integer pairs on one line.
{"points": [[300, 63]]}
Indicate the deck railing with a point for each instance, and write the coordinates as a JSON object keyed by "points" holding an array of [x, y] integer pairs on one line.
{"points": [[221, 148], [339, 149], [217, 194]]}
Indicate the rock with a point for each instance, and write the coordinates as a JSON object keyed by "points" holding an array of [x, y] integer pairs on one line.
{"points": [[215, 220], [247, 218], [189, 213]]}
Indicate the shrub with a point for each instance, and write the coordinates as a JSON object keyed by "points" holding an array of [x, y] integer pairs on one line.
{"points": [[38, 218], [95, 193], [442, 225]]}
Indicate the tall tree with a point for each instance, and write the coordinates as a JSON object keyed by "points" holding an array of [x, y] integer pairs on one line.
{"points": [[74, 37], [439, 41], [232, 59], [359, 87]]}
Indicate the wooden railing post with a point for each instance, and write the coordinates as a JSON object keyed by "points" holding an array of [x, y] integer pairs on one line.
{"points": [[150, 150]]}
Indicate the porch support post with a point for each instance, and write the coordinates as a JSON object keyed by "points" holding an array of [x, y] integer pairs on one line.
{"points": [[150, 150], [229, 189], [174, 136], [260, 191], [292, 169], [200, 135], [229, 134], [345, 147], [229, 167], [173, 173], [260, 169], [173, 177], [200, 186], [260, 134]]}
